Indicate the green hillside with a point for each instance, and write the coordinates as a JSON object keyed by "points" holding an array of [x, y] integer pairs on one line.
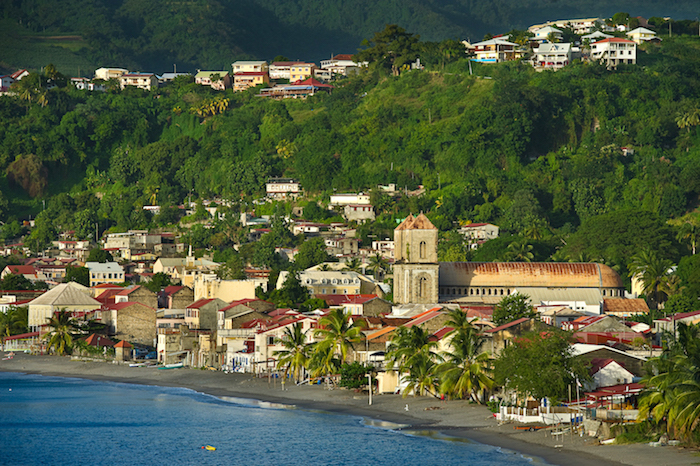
{"points": [[154, 36], [580, 164]]}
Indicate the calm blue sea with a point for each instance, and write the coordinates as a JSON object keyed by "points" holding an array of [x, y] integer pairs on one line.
{"points": [[56, 421]]}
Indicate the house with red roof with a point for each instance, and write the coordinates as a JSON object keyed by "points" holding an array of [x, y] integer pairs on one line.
{"points": [[614, 51], [175, 297], [203, 313], [503, 335], [27, 271], [342, 64], [137, 293], [670, 323], [357, 304], [607, 372]]}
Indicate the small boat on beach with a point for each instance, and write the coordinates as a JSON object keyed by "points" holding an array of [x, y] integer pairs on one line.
{"points": [[176, 365]]}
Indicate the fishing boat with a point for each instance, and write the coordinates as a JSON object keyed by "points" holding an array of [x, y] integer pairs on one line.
{"points": [[176, 365]]}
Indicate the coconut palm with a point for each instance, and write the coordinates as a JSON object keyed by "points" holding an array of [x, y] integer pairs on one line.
{"points": [[421, 376], [465, 371], [338, 333], [688, 229], [295, 355], [654, 273], [377, 263], [353, 265], [60, 338], [408, 347], [519, 251], [13, 322], [323, 360], [672, 390]]}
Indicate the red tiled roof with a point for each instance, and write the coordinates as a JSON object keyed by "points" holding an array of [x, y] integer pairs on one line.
{"points": [[99, 340], [682, 315], [311, 82], [440, 334], [343, 56], [199, 303], [22, 269], [172, 289], [340, 299], [505, 326], [615, 40], [123, 344], [423, 318], [129, 290]]}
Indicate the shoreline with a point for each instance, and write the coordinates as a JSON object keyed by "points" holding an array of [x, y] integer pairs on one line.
{"points": [[455, 418]]}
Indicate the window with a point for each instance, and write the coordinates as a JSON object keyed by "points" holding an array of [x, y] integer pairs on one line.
{"points": [[270, 340], [421, 251], [422, 287]]}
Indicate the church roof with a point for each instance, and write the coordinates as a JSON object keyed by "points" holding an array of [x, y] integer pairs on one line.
{"points": [[66, 294], [529, 274], [406, 223], [420, 222]]}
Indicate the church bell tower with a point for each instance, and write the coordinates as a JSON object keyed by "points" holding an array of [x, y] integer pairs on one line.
{"points": [[416, 263]]}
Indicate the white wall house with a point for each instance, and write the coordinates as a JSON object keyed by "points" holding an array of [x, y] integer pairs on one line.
{"points": [[614, 51]]}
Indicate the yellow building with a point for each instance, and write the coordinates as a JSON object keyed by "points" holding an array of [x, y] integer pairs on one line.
{"points": [[248, 79], [301, 71]]}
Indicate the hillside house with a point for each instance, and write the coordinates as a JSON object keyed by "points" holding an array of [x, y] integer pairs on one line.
{"points": [[106, 74], [175, 297], [349, 199], [254, 66], [217, 80], [614, 51], [248, 79], [202, 314], [552, 56], [145, 81], [301, 71], [107, 272], [494, 51], [282, 188], [641, 35], [342, 64], [139, 294], [359, 213], [478, 233], [542, 34]]}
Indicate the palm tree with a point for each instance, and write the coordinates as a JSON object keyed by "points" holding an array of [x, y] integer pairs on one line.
{"points": [[338, 334], [672, 389], [421, 376], [465, 371], [323, 360], [295, 355], [654, 273], [405, 346], [519, 251], [353, 265], [13, 322], [688, 229], [60, 338], [377, 263]]}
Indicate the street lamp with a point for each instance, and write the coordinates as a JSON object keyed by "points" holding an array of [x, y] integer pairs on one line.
{"points": [[369, 376]]}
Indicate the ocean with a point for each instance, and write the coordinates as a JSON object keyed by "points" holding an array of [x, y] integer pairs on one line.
{"points": [[56, 421]]}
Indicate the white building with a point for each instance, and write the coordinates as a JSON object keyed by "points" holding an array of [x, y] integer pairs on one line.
{"points": [[542, 34], [342, 64], [552, 56], [349, 199], [107, 272], [282, 188], [106, 74], [477, 233], [494, 51], [614, 51]]}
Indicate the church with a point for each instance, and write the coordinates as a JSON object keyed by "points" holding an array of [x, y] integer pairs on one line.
{"points": [[420, 279]]}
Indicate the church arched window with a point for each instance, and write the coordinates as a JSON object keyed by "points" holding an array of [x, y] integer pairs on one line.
{"points": [[422, 287], [422, 252], [471, 291]]}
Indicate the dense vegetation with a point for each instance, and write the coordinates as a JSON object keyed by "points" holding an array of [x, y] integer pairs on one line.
{"points": [[140, 35], [540, 154]]}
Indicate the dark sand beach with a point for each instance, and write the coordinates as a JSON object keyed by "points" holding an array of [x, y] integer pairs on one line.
{"points": [[453, 418]]}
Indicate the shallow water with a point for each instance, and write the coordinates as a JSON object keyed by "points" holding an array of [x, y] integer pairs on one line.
{"points": [[56, 420]]}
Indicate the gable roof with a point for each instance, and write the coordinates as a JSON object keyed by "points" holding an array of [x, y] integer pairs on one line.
{"points": [[421, 222], [616, 40], [508, 325], [99, 340], [66, 294]]}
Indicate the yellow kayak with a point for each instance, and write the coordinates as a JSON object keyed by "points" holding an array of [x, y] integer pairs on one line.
{"points": [[209, 447]]}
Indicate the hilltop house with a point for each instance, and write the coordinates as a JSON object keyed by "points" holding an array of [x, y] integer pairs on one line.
{"points": [[282, 188], [342, 64], [494, 51], [217, 80], [614, 51], [145, 81], [542, 34], [641, 34], [249, 67], [106, 74], [552, 56], [247, 79], [301, 71], [477, 233]]}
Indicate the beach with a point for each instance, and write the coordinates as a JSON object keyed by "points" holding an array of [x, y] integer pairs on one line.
{"points": [[453, 418]]}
